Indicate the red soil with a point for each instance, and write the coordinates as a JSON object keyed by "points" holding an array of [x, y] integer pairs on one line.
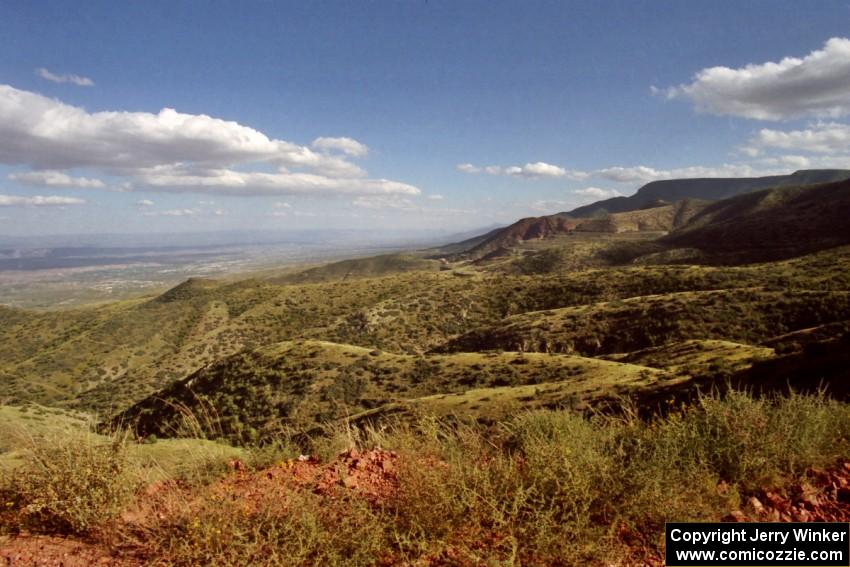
{"points": [[824, 495], [49, 551]]}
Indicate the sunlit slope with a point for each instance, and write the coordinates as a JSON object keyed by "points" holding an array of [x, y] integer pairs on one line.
{"points": [[108, 357], [697, 357], [370, 267], [661, 218], [740, 315], [304, 383]]}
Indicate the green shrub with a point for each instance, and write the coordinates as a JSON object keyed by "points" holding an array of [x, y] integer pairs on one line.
{"points": [[73, 487]]}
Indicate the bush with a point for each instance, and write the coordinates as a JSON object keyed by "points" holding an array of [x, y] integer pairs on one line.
{"points": [[543, 488], [69, 488]]}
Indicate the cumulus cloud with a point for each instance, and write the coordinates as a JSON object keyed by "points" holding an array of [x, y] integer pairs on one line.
{"points": [[598, 193], [64, 78], [645, 174], [38, 201], [170, 150], [50, 178], [827, 138], [794, 161], [536, 170], [815, 85], [348, 146], [46, 133], [145, 203], [233, 182], [467, 168]]}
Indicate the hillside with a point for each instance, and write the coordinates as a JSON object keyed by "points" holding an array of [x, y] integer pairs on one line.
{"points": [[663, 218], [370, 267], [708, 189], [770, 224], [743, 315], [498, 241], [108, 357], [304, 384], [660, 206]]}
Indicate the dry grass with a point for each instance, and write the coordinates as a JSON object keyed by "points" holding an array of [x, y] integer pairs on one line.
{"points": [[543, 488]]}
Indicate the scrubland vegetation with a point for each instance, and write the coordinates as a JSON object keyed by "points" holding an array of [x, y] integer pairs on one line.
{"points": [[552, 402], [544, 487]]}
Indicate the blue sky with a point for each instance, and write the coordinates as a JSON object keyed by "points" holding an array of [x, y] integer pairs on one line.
{"points": [[399, 114]]}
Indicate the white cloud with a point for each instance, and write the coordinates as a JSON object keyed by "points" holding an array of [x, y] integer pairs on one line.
{"points": [[233, 182], [172, 213], [145, 203], [467, 168], [170, 150], [38, 201], [348, 146], [598, 193], [815, 85], [64, 78], [645, 174], [542, 169], [829, 138], [46, 133], [282, 205], [536, 170], [50, 178], [435, 197], [639, 173]]}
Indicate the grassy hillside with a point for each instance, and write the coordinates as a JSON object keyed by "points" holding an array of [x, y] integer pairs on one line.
{"points": [[697, 357], [108, 357], [742, 315], [705, 322], [362, 268], [766, 225], [662, 218], [568, 294], [300, 385]]}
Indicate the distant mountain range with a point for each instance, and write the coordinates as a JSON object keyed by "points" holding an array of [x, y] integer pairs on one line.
{"points": [[710, 189], [771, 224], [707, 214]]}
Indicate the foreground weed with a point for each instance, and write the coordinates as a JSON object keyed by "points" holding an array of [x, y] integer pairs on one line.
{"points": [[71, 487]]}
